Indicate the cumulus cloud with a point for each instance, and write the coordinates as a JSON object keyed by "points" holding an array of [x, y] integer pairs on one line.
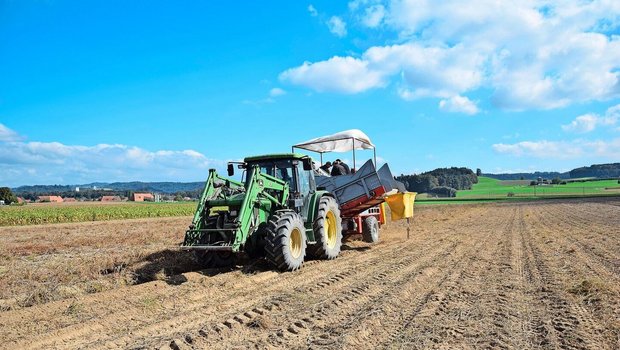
{"points": [[582, 124], [339, 74], [588, 122], [337, 26], [312, 10], [561, 149], [8, 135], [54, 162], [459, 104], [528, 54], [425, 72], [373, 16]]}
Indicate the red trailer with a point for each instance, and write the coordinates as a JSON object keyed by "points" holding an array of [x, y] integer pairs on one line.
{"points": [[360, 194]]}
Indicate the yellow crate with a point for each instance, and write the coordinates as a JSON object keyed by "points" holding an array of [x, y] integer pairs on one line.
{"points": [[401, 205]]}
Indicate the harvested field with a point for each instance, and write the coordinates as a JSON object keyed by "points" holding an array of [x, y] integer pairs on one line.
{"points": [[507, 276]]}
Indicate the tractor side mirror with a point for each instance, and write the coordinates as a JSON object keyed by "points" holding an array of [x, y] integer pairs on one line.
{"points": [[307, 163], [231, 169]]}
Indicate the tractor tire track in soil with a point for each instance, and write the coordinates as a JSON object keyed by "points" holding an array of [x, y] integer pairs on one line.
{"points": [[497, 276]]}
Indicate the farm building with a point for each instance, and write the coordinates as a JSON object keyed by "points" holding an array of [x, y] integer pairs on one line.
{"points": [[70, 199], [20, 200], [141, 197], [51, 199], [110, 199]]}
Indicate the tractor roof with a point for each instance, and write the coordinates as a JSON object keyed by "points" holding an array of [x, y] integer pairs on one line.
{"points": [[275, 156]]}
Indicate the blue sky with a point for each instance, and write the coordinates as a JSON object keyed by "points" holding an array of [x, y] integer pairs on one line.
{"points": [[162, 90]]}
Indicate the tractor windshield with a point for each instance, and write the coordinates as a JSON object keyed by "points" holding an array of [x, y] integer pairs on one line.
{"points": [[281, 169]]}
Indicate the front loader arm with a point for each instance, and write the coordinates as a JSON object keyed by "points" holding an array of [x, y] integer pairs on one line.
{"points": [[211, 191], [257, 186]]}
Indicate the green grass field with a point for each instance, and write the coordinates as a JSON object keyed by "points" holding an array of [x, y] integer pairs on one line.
{"points": [[492, 188], [59, 213]]}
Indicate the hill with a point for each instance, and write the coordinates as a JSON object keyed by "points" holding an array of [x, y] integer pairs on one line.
{"points": [[597, 170], [601, 171], [160, 187], [529, 176]]}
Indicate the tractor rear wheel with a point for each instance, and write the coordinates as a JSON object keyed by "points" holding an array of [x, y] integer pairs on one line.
{"points": [[285, 244], [327, 230], [370, 229]]}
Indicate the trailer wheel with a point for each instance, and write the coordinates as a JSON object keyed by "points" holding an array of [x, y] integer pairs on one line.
{"points": [[370, 229], [285, 244], [327, 230]]}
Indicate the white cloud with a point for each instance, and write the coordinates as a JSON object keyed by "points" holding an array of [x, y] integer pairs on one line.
{"points": [[582, 124], [338, 74], [459, 104], [55, 162], [8, 135], [337, 26], [312, 10], [430, 72], [562, 149], [529, 54], [275, 92], [373, 16], [588, 122]]}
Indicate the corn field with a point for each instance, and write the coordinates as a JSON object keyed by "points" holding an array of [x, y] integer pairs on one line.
{"points": [[34, 215]]}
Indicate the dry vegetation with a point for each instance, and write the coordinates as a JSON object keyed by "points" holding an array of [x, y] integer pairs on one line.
{"points": [[53, 262], [509, 276]]}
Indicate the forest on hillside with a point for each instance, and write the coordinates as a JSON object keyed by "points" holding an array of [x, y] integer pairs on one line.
{"points": [[441, 182], [611, 170]]}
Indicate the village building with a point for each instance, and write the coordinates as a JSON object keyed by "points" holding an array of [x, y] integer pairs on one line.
{"points": [[141, 197], [51, 199]]}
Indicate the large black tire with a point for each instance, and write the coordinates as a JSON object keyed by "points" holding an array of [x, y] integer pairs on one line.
{"points": [[370, 229], [285, 244], [210, 259], [327, 230], [255, 244], [213, 259]]}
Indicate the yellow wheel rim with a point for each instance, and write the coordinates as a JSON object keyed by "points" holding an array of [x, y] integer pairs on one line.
{"points": [[295, 243], [331, 229]]}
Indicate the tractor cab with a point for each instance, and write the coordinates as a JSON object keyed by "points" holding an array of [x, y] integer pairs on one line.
{"points": [[293, 168]]}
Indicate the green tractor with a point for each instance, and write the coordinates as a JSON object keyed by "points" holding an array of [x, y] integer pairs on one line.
{"points": [[277, 212]]}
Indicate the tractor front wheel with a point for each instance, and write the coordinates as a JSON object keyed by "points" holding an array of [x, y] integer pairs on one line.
{"points": [[214, 259], [285, 244]]}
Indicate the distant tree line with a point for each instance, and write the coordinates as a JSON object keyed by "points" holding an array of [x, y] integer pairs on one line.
{"points": [[611, 170], [442, 182], [601, 171], [94, 195], [529, 176], [136, 186]]}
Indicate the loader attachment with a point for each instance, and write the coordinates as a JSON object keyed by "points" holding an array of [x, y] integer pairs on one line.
{"points": [[228, 211]]}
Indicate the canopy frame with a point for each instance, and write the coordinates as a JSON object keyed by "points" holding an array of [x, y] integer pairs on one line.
{"points": [[353, 140]]}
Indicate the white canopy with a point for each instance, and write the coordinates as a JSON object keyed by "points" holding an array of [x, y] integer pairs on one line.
{"points": [[343, 141]]}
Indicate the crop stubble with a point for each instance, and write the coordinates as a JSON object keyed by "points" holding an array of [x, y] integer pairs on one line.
{"points": [[509, 276]]}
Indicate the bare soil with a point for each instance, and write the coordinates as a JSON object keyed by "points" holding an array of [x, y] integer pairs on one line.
{"points": [[497, 276]]}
